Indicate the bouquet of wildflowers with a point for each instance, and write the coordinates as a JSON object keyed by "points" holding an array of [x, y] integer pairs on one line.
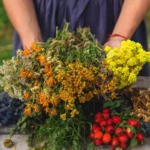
{"points": [[58, 78]]}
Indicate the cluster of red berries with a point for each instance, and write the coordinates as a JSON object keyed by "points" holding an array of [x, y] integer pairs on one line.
{"points": [[106, 130]]}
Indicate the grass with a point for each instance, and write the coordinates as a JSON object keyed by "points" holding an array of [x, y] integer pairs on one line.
{"points": [[5, 48], [148, 26], [5, 55], [6, 36]]}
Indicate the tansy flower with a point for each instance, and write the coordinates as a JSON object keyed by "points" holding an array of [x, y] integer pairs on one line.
{"points": [[63, 116], [73, 113], [47, 110], [53, 112]]}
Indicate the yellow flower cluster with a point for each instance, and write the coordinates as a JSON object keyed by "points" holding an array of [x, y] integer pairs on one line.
{"points": [[126, 62], [74, 79], [79, 83]]}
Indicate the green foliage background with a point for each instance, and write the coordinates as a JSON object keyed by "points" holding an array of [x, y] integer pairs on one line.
{"points": [[6, 35]]}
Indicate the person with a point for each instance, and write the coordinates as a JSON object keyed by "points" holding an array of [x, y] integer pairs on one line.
{"points": [[36, 20]]}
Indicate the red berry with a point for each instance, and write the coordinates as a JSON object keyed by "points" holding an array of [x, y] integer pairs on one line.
{"points": [[109, 121], [118, 131], [129, 133], [110, 129], [98, 135], [106, 110], [138, 124], [105, 116], [123, 145], [139, 137], [106, 138], [91, 136], [123, 138], [98, 117], [94, 126], [103, 123], [133, 123], [98, 142], [96, 129], [116, 119], [115, 142]]}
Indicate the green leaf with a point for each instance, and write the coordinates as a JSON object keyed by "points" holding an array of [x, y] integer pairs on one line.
{"points": [[112, 104], [116, 104], [108, 104], [24, 125], [133, 142], [13, 131], [132, 129]]}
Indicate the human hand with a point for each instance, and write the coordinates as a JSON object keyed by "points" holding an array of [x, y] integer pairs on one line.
{"points": [[114, 42], [28, 39]]}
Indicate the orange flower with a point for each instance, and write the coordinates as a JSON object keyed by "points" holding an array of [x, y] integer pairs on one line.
{"points": [[27, 111], [45, 104], [46, 69], [41, 59], [51, 81], [47, 110], [46, 65], [36, 83], [23, 73], [53, 112], [26, 52], [40, 101], [29, 105], [26, 95], [35, 47], [111, 84], [30, 75], [42, 98], [22, 69], [48, 74], [36, 109]]}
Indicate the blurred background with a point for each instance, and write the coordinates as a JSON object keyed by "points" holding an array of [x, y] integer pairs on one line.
{"points": [[6, 34]]}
